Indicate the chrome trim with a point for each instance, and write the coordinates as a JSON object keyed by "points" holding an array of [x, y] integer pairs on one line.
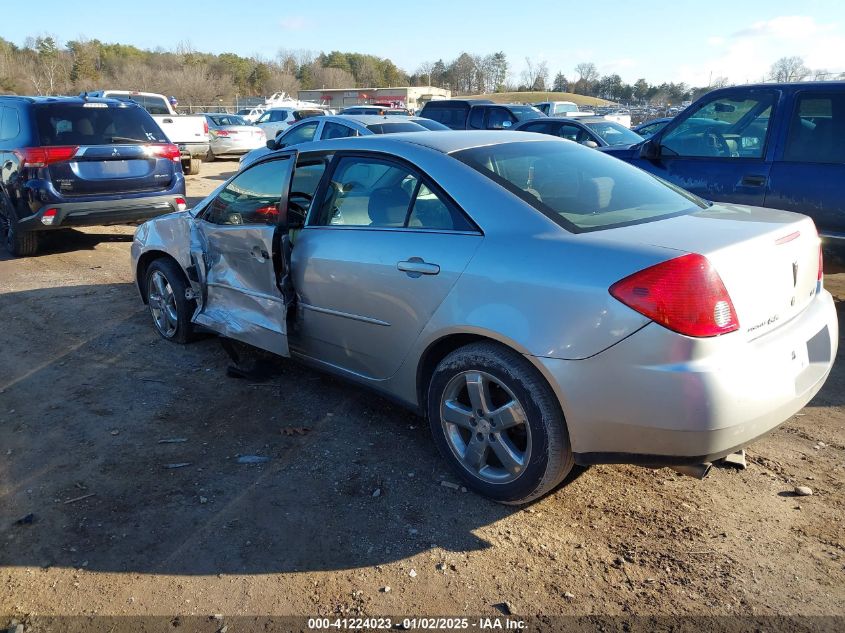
{"points": [[346, 315]]}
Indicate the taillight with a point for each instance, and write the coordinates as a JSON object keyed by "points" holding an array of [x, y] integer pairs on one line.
{"points": [[820, 277], [43, 156], [165, 150], [219, 133], [48, 217], [205, 126], [181, 204], [684, 294]]}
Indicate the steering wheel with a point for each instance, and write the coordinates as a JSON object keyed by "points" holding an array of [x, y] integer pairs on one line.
{"points": [[303, 208], [716, 142]]}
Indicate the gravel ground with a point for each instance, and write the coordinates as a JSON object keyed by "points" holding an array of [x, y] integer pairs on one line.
{"points": [[88, 393]]}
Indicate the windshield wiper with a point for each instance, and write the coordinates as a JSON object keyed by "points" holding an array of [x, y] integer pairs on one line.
{"points": [[128, 139]]}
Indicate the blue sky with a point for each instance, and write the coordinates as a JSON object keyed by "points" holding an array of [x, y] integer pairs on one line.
{"points": [[677, 41]]}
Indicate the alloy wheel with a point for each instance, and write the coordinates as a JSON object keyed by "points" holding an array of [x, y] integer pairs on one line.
{"points": [[162, 302], [486, 427]]}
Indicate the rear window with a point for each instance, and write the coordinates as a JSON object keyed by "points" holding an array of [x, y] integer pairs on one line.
{"points": [[227, 119], [579, 188], [613, 133], [95, 124], [394, 128], [304, 114]]}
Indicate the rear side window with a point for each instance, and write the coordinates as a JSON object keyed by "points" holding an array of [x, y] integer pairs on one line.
{"points": [[336, 130], [95, 124], [450, 116], [302, 133], [153, 105], [817, 129], [580, 189], [10, 123], [476, 118]]}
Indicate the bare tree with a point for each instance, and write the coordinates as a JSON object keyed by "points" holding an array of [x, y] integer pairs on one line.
{"points": [[587, 72], [331, 77], [536, 75], [789, 69], [424, 70]]}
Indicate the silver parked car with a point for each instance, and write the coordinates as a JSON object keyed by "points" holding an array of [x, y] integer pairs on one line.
{"points": [[543, 304], [342, 126], [230, 134]]}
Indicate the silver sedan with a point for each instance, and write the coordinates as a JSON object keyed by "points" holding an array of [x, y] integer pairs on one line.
{"points": [[542, 304], [230, 134]]}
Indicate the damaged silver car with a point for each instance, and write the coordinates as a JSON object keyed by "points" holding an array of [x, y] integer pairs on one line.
{"points": [[542, 304]]}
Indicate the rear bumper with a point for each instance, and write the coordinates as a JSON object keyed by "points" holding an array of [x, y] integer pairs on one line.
{"points": [[228, 146], [661, 398], [101, 212], [188, 150]]}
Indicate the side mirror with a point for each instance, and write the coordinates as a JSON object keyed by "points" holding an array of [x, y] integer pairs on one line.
{"points": [[506, 124], [650, 150], [590, 144], [271, 144]]}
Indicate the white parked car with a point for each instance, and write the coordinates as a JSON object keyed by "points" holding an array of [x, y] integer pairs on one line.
{"points": [[275, 120]]}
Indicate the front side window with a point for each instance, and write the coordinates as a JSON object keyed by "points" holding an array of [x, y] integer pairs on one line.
{"points": [[370, 192], [572, 133], [252, 197], [336, 130], [580, 189], [302, 133], [499, 119], [724, 127], [817, 129], [304, 184]]}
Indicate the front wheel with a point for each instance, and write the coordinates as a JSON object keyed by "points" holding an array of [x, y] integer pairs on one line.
{"points": [[171, 311], [498, 423]]}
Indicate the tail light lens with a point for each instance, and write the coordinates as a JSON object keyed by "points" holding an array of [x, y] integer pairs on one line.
{"points": [[205, 126], [165, 150], [219, 133], [181, 204], [820, 277], [684, 294], [43, 156], [48, 217]]}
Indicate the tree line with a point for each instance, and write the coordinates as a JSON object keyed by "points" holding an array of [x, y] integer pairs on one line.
{"points": [[44, 66]]}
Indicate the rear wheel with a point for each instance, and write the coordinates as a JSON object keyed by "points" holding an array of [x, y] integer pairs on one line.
{"points": [[171, 311], [209, 158], [192, 166], [18, 243], [498, 423]]}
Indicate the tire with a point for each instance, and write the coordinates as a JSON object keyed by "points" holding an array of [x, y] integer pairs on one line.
{"points": [[170, 310], [19, 244], [209, 158], [192, 166], [538, 435]]}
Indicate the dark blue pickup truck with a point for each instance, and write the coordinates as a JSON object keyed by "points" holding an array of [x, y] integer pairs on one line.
{"points": [[770, 145]]}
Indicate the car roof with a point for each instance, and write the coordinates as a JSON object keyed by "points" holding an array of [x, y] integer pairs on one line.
{"points": [[444, 142], [71, 100]]}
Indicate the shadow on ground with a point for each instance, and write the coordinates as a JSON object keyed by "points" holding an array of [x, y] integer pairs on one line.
{"points": [[351, 480]]}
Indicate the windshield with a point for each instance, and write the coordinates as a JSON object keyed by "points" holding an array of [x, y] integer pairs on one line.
{"points": [[524, 113], [613, 133], [579, 188], [394, 128], [227, 119], [95, 124]]}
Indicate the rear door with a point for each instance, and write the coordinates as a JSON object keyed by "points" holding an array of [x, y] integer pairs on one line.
{"points": [[719, 149], [95, 149], [808, 174], [239, 236]]}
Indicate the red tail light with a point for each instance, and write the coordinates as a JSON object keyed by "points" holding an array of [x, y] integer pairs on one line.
{"points": [[205, 126], [820, 278], [219, 133], [181, 204], [48, 217], [43, 156], [165, 150], [685, 295]]}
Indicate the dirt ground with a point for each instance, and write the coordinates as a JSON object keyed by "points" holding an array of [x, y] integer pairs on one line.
{"points": [[88, 393]]}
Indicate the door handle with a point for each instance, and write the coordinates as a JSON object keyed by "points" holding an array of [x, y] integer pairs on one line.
{"points": [[753, 181], [167, 120], [415, 266]]}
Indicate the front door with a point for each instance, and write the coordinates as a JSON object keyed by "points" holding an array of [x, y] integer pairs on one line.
{"points": [[381, 250], [238, 234], [718, 151]]}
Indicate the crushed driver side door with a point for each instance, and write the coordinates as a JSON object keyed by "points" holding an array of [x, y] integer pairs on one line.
{"points": [[239, 235]]}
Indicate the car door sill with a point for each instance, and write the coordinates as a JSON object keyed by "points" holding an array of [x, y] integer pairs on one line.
{"points": [[247, 291]]}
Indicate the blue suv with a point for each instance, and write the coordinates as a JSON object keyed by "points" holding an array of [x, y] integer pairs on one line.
{"points": [[770, 145], [77, 161]]}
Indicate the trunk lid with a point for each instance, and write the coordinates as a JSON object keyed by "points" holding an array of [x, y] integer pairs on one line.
{"points": [[767, 259]]}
